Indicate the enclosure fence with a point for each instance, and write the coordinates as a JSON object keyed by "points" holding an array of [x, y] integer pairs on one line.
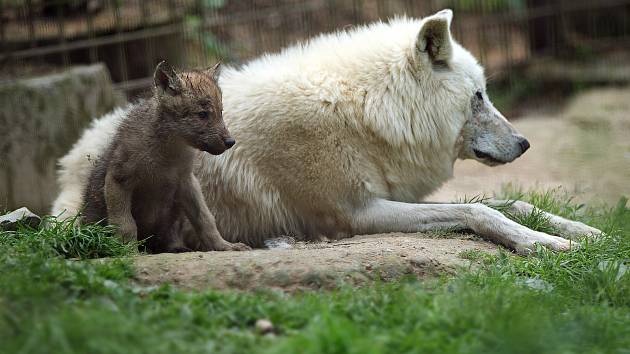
{"points": [[130, 37]]}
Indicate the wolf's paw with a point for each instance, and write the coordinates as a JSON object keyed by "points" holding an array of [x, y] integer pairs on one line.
{"points": [[181, 249], [575, 229], [552, 242]]}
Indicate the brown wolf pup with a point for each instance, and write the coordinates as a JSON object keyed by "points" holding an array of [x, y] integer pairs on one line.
{"points": [[144, 184]]}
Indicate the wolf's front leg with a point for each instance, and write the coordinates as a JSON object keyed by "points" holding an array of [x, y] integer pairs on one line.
{"points": [[173, 237], [202, 220], [566, 228], [381, 216], [118, 201]]}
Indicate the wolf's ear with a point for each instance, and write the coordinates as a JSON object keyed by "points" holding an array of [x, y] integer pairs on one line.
{"points": [[214, 71], [166, 79], [434, 38]]}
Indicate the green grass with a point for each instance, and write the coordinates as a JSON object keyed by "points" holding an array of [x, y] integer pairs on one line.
{"points": [[53, 299], [62, 239]]}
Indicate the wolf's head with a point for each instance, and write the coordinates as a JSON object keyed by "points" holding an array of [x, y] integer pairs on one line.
{"points": [[458, 80], [191, 108]]}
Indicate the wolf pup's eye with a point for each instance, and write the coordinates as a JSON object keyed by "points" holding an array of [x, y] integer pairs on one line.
{"points": [[203, 114], [479, 95]]}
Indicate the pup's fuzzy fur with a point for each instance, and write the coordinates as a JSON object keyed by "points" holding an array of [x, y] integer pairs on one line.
{"points": [[144, 184], [344, 134]]}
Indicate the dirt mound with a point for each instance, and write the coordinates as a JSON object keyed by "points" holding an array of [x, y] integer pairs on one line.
{"points": [[312, 265]]}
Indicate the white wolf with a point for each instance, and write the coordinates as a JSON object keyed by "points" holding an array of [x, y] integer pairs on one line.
{"points": [[344, 135]]}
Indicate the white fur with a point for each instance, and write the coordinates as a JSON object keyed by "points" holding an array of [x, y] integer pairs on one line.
{"points": [[76, 166], [335, 137]]}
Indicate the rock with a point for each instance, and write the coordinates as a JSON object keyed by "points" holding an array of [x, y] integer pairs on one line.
{"points": [[536, 284], [41, 118], [283, 242], [264, 326], [10, 221]]}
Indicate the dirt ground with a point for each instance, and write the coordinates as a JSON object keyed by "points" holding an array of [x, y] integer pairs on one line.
{"points": [[585, 149], [315, 265]]}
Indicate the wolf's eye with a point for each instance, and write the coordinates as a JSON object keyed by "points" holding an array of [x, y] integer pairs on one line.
{"points": [[203, 114], [479, 95]]}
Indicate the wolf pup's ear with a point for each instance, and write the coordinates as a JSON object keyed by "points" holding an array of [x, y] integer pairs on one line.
{"points": [[434, 39], [214, 71], [166, 79]]}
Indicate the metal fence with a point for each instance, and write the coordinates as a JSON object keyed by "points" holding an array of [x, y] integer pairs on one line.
{"points": [[132, 36]]}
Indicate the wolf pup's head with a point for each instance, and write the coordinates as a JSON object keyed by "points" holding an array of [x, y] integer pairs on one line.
{"points": [[484, 133], [190, 107]]}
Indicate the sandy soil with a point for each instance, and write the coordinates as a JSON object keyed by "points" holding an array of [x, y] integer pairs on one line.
{"points": [[585, 149], [315, 265]]}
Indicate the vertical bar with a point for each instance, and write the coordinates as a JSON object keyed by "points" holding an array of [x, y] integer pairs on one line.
{"points": [[31, 23], [552, 20], [457, 29], [625, 23], [173, 17], [308, 19], [172, 7], [381, 9], [277, 33], [93, 50], [409, 7], [148, 42], [355, 11], [122, 58], [4, 47], [507, 45], [528, 25], [481, 31], [220, 24], [592, 26], [61, 22], [332, 13], [562, 23], [255, 28], [201, 31]]}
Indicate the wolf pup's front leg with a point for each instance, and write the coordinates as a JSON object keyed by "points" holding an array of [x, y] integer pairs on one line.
{"points": [[118, 200], [197, 212]]}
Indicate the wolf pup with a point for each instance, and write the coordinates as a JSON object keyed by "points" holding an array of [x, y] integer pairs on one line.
{"points": [[144, 183]]}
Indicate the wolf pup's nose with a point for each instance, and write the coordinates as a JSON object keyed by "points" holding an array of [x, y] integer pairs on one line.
{"points": [[524, 145], [229, 142]]}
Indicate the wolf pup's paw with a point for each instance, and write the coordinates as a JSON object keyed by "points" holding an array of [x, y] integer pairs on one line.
{"points": [[179, 249], [228, 246], [128, 232]]}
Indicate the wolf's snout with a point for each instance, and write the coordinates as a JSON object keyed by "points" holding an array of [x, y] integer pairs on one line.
{"points": [[524, 144], [229, 142]]}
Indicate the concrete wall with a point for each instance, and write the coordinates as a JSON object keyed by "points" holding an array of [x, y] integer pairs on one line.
{"points": [[40, 119]]}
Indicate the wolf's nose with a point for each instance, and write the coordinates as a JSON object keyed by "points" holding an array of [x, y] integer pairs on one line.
{"points": [[229, 142], [524, 145]]}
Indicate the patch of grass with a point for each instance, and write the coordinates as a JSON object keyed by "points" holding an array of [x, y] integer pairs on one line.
{"points": [[555, 201], [574, 302], [36, 270], [475, 255], [62, 238], [535, 220]]}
